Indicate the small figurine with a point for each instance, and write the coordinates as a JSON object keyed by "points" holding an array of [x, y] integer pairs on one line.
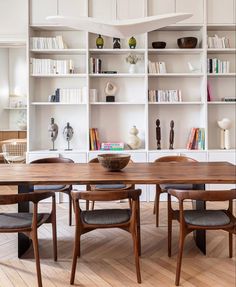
{"points": [[68, 134], [110, 91], [158, 134], [134, 141], [99, 42], [132, 43], [171, 134], [53, 130], [116, 43]]}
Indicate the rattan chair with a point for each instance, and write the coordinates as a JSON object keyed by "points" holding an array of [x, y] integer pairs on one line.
{"points": [[14, 152]]}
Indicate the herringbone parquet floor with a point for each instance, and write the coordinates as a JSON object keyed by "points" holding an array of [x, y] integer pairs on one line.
{"points": [[107, 258]]}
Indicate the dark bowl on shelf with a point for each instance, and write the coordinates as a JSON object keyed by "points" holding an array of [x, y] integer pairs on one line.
{"points": [[187, 42], [113, 162], [158, 45]]}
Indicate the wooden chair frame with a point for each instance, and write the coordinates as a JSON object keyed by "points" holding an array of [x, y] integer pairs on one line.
{"points": [[185, 228], [131, 226], [32, 232]]}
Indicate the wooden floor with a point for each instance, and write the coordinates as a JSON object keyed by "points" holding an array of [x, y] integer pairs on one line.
{"points": [[107, 258]]}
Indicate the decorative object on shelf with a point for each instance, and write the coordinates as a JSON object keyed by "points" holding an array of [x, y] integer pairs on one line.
{"points": [[228, 99], [93, 95], [116, 43], [134, 141], [132, 59], [224, 125], [68, 133], [187, 42], [158, 134], [158, 45], [110, 91], [132, 43], [172, 134], [99, 42], [53, 130], [119, 28], [114, 162]]}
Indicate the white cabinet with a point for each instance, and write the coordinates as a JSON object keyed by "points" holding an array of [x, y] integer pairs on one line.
{"points": [[219, 12], [72, 8], [40, 9], [103, 9], [130, 9], [191, 6], [157, 7], [13, 18]]}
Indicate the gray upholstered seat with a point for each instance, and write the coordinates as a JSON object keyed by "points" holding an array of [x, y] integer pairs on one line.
{"points": [[110, 186], [19, 220], [206, 217], [177, 186], [106, 216], [49, 187]]}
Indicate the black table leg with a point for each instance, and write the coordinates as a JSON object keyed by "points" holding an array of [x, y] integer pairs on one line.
{"points": [[200, 235], [23, 241]]}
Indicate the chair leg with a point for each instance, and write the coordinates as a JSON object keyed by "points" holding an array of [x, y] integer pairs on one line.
{"points": [[87, 204], [130, 203], [93, 204], [230, 245], [70, 210], [157, 203], [169, 234], [136, 253], [36, 255], [54, 238], [75, 255], [154, 207], [179, 259]]}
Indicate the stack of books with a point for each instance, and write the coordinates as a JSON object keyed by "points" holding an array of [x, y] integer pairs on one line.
{"points": [[156, 67], [196, 139], [94, 139], [95, 65], [51, 67], [69, 96], [112, 146], [164, 96], [217, 66], [217, 42], [47, 43]]}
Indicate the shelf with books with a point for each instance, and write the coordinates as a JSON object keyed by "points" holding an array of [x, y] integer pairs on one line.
{"points": [[59, 51], [175, 51], [221, 51]]}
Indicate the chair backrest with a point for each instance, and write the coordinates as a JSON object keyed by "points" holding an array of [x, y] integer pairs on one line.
{"points": [[53, 160], [171, 158], [14, 152], [95, 160]]}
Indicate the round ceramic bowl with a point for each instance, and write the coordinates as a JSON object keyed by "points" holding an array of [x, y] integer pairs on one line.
{"points": [[158, 45], [187, 42], [114, 162]]}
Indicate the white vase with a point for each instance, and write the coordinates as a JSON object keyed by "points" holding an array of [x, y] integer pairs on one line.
{"points": [[132, 68], [134, 141]]}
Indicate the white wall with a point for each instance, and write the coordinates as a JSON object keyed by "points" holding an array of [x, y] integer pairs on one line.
{"points": [[4, 87]]}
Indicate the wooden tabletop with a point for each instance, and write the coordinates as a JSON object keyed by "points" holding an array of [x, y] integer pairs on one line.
{"points": [[139, 173]]}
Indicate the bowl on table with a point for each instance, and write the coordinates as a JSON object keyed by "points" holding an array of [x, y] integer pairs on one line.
{"points": [[158, 45], [187, 42], [113, 162]]}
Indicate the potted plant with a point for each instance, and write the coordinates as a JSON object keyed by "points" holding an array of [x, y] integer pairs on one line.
{"points": [[132, 59]]}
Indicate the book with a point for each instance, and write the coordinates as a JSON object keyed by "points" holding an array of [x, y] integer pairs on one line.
{"points": [[190, 142]]}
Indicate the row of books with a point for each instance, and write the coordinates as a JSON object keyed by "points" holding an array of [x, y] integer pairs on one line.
{"points": [[94, 141], [217, 42], [156, 67], [47, 43], [51, 67], [112, 146], [196, 139], [95, 65], [69, 96], [215, 66], [164, 96]]}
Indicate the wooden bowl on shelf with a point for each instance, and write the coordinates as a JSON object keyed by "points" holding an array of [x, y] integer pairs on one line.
{"points": [[114, 162], [187, 42], [158, 45]]}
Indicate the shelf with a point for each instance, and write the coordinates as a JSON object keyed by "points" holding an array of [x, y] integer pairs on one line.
{"points": [[171, 151], [116, 103], [121, 75], [222, 75], [41, 27], [16, 109], [187, 75], [59, 51], [12, 43], [118, 151], [175, 51], [222, 51], [175, 103], [116, 51], [221, 103], [182, 27], [55, 104], [221, 27], [60, 76]]}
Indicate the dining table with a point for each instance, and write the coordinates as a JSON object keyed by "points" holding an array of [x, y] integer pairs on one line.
{"points": [[25, 176]]}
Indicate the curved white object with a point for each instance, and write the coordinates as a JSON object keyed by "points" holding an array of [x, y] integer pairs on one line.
{"points": [[119, 28]]}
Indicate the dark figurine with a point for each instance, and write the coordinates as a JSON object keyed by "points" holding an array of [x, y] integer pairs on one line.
{"points": [[158, 134], [171, 134], [116, 43]]}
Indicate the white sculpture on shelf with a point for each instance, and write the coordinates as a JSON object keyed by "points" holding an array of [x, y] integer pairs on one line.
{"points": [[225, 125], [134, 141]]}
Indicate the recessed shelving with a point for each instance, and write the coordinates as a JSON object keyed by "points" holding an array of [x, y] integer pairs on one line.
{"points": [[116, 51], [175, 51], [190, 75], [59, 51], [60, 76], [54, 104], [176, 103], [118, 75], [116, 103], [222, 51]]}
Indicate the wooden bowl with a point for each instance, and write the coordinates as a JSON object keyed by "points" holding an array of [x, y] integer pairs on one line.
{"points": [[187, 42], [158, 45], [114, 162]]}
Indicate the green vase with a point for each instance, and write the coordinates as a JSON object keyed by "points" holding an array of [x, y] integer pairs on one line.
{"points": [[99, 42], [132, 43]]}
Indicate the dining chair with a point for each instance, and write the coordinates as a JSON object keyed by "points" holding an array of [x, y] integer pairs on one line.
{"points": [[88, 220], [191, 220], [56, 188], [14, 152], [105, 187], [162, 188], [28, 223]]}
